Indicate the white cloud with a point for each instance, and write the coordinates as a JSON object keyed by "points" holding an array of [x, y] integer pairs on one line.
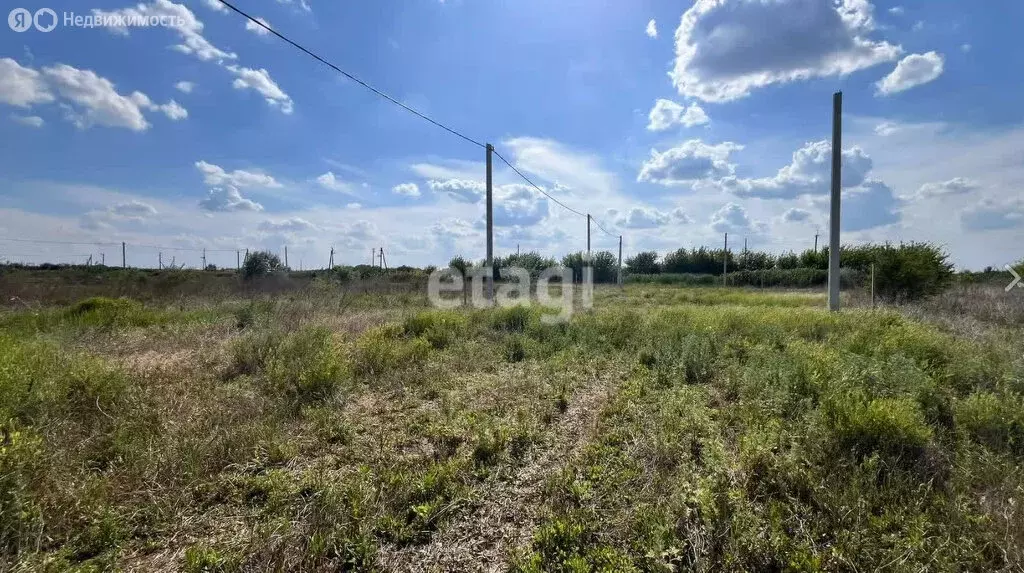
{"points": [[643, 218], [301, 4], [464, 190], [809, 172], [331, 182], [29, 120], [185, 23], [692, 161], [732, 218], [518, 205], [86, 98], [918, 26], [565, 168], [260, 81], [955, 186], [186, 87], [215, 6], [897, 10], [795, 215], [965, 48], [911, 71], [290, 225], [886, 128], [216, 175], [227, 198], [406, 189], [993, 215], [21, 86], [727, 48], [133, 211], [256, 28], [667, 113], [652, 29]]}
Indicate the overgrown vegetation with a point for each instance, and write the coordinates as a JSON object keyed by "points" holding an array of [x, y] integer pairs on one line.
{"points": [[668, 429]]}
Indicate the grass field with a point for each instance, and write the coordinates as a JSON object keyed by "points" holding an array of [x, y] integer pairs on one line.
{"points": [[668, 429]]}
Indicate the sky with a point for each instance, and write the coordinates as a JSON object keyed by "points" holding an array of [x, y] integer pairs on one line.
{"points": [[671, 123]]}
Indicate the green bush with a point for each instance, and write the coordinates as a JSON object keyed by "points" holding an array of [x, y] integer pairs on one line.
{"points": [[997, 422], [643, 263], [261, 264], [893, 427], [301, 367]]}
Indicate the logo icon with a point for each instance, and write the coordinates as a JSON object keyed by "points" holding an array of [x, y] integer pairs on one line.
{"points": [[20, 19], [39, 22], [1016, 279]]}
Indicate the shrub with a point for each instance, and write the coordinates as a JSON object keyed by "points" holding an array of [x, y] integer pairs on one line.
{"points": [[302, 367], [460, 264], [261, 264], [439, 328], [382, 349], [994, 421], [644, 263], [894, 427]]}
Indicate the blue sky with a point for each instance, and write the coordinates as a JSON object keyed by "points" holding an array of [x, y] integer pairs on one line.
{"points": [[671, 123]]}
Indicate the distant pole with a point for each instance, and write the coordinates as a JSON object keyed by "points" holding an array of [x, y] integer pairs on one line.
{"points": [[330, 265], [815, 242], [103, 257], [833, 232], [246, 255], [744, 244], [618, 277], [204, 258], [238, 261], [286, 256], [588, 237], [490, 226], [373, 256], [725, 261], [160, 260], [517, 249], [124, 259], [872, 285]]}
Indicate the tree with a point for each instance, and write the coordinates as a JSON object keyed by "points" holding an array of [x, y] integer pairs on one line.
{"points": [[643, 263], [261, 264]]}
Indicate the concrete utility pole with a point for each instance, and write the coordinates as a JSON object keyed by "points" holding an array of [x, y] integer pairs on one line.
{"points": [[204, 258], [160, 260], [588, 237], [103, 258], [238, 260], [618, 277], [490, 226], [837, 189], [124, 263], [815, 242], [330, 264], [725, 261], [285, 257]]}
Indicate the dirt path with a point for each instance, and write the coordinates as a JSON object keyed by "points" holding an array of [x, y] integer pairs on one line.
{"points": [[484, 536]]}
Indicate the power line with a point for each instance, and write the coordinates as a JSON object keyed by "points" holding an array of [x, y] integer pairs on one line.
{"points": [[103, 244], [41, 241], [350, 76], [527, 179]]}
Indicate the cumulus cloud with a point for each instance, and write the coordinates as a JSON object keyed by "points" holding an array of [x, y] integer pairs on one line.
{"points": [[692, 161], [302, 4], [256, 28], [227, 198], [796, 215], [22, 86], [331, 182], [133, 211], [216, 175], [29, 120], [518, 205], [955, 186], [994, 215], [652, 29], [86, 98], [464, 190], [291, 225], [727, 48], [896, 10], [732, 218], [215, 6], [259, 80], [184, 22], [643, 218], [185, 87], [564, 167], [809, 172], [406, 189], [911, 71], [667, 113]]}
